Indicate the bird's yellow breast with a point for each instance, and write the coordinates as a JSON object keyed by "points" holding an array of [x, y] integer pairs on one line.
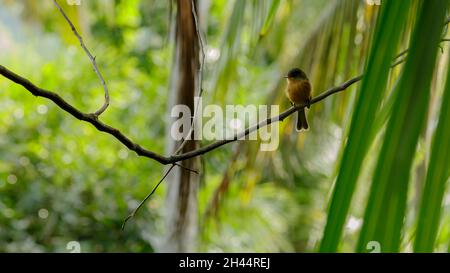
{"points": [[298, 91]]}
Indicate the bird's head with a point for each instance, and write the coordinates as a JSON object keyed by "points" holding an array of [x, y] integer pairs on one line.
{"points": [[296, 74]]}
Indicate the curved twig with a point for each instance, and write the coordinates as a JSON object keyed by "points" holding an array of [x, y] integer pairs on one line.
{"points": [[91, 57]]}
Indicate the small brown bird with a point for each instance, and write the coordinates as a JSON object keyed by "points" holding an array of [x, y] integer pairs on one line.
{"points": [[298, 91]]}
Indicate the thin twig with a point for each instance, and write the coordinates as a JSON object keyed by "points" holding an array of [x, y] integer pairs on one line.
{"points": [[401, 54], [186, 168], [153, 191], [169, 22], [91, 57], [398, 62], [200, 78], [446, 22], [147, 197], [407, 50]]}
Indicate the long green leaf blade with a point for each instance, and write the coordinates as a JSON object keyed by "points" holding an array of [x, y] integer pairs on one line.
{"points": [[387, 35], [385, 210], [270, 16], [437, 175]]}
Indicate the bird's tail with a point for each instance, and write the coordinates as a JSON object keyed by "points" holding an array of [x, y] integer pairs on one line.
{"points": [[302, 123]]}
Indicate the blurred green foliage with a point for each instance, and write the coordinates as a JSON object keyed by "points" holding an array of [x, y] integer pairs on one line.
{"points": [[86, 181]]}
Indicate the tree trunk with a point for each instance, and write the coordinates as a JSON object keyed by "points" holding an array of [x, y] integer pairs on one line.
{"points": [[182, 185]]}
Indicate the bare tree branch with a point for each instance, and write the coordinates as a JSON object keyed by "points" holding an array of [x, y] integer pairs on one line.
{"points": [[91, 57], [139, 150], [93, 119]]}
